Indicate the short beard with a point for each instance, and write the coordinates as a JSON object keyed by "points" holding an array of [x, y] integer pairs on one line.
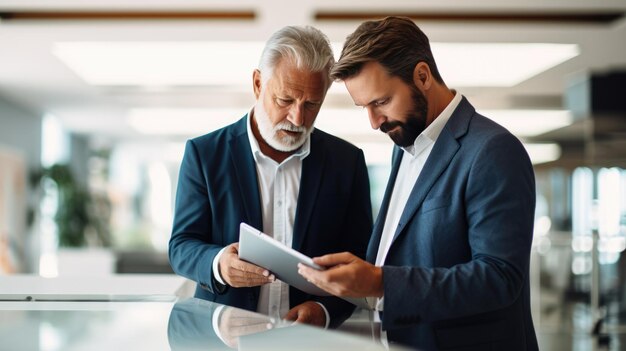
{"points": [[269, 132], [415, 121]]}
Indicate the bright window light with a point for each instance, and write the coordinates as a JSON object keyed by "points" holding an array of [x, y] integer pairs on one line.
{"points": [[582, 201], [231, 63], [609, 201], [55, 144], [526, 123]]}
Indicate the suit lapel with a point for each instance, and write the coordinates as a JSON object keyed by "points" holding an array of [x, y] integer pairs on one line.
{"points": [[372, 248], [310, 180], [245, 172], [436, 163], [446, 146]]}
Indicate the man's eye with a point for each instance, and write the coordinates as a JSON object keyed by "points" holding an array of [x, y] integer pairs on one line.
{"points": [[311, 105], [381, 102], [283, 102]]}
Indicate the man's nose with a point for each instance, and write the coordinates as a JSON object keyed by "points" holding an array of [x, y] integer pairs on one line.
{"points": [[296, 115], [376, 119]]}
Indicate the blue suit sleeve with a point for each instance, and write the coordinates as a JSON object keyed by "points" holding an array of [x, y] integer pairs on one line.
{"points": [[499, 202], [191, 253]]}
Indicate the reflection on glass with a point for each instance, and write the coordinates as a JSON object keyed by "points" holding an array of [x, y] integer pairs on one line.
{"points": [[198, 324]]}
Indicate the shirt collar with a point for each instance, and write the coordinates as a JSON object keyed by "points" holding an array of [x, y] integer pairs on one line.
{"points": [[301, 153], [431, 133]]}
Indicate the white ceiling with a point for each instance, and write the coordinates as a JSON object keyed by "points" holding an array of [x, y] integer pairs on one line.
{"points": [[33, 77]]}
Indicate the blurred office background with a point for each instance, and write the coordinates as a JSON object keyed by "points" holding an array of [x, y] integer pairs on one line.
{"points": [[97, 99]]}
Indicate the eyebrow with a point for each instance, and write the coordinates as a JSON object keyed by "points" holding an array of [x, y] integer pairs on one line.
{"points": [[289, 97]]}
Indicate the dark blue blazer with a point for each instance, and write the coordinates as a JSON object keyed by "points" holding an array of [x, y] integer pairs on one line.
{"points": [[462, 247], [218, 189]]}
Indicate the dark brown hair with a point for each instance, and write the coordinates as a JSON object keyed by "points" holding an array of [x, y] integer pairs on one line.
{"points": [[395, 42]]}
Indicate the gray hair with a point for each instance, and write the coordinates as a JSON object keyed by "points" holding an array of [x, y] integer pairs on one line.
{"points": [[306, 47]]}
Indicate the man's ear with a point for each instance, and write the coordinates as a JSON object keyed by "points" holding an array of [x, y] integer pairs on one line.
{"points": [[256, 83], [422, 77]]}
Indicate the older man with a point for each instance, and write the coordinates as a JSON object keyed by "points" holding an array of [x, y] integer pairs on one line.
{"points": [[275, 171]]}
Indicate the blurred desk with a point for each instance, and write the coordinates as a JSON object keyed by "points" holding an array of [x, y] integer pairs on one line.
{"points": [[127, 287], [86, 323]]}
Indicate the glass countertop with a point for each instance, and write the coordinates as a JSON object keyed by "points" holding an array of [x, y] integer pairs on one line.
{"points": [[181, 324]]}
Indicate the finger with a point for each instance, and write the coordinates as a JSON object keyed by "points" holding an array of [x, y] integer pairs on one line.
{"points": [[248, 267], [311, 274], [322, 279], [303, 318], [233, 249], [334, 259], [238, 274], [243, 282], [292, 315]]}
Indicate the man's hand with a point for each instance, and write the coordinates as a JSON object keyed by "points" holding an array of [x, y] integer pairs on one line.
{"points": [[346, 275], [238, 273], [308, 313], [234, 322]]}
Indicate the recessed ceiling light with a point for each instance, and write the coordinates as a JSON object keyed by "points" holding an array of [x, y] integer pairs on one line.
{"points": [[231, 63]]}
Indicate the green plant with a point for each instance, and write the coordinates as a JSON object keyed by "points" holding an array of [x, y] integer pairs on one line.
{"points": [[76, 214]]}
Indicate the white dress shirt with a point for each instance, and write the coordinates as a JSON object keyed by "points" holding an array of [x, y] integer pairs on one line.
{"points": [[279, 185], [411, 166]]}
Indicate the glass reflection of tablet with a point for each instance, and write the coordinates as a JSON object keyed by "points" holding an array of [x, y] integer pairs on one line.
{"points": [[264, 251]]}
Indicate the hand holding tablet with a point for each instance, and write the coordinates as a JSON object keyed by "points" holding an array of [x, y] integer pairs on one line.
{"points": [[281, 260]]}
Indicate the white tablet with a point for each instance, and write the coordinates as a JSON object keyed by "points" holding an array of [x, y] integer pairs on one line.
{"points": [[264, 251]]}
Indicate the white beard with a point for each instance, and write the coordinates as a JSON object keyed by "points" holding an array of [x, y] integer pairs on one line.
{"points": [[269, 132]]}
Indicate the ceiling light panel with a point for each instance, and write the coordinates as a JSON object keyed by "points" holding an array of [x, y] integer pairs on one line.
{"points": [[497, 64], [161, 63], [232, 63]]}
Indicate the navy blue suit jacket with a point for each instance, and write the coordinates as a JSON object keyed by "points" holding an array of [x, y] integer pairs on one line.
{"points": [[462, 247], [218, 189]]}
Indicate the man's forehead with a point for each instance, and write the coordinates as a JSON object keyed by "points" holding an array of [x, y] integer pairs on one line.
{"points": [[300, 80], [363, 91]]}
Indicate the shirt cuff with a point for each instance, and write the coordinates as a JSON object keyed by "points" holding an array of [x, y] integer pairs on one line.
{"points": [[216, 270], [326, 313]]}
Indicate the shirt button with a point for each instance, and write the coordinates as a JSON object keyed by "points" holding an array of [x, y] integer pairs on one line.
{"points": [[280, 202]]}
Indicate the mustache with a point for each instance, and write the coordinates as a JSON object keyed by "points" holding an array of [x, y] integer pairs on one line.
{"points": [[387, 126], [286, 125]]}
